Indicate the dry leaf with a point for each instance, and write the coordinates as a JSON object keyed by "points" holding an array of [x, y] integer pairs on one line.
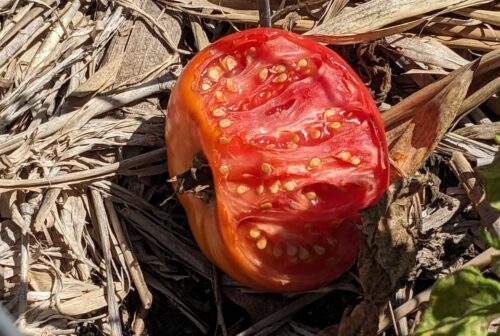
{"points": [[387, 255], [430, 122]]}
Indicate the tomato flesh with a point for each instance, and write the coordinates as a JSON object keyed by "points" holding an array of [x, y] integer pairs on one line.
{"points": [[297, 148]]}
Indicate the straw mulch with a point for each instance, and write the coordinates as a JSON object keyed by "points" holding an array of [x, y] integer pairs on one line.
{"points": [[92, 239]]}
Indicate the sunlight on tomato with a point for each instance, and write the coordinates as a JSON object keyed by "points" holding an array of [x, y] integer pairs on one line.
{"points": [[296, 147]]}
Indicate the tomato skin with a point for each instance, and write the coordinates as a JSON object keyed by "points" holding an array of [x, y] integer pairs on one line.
{"points": [[290, 172]]}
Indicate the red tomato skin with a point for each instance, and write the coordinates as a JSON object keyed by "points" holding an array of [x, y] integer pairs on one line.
{"points": [[190, 130]]}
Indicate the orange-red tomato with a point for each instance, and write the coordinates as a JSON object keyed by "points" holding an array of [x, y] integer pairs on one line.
{"points": [[296, 147]]}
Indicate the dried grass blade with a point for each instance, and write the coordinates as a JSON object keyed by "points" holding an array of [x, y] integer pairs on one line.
{"points": [[426, 50], [363, 36], [103, 225], [467, 44], [376, 14], [130, 259]]}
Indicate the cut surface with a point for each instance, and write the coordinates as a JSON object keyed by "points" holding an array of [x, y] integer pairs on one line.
{"points": [[297, 148]]}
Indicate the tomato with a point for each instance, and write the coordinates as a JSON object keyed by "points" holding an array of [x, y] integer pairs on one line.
{"points": [[296, 147]]}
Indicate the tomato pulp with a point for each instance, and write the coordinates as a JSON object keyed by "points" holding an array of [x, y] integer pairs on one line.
{"points": [[296, 146]]}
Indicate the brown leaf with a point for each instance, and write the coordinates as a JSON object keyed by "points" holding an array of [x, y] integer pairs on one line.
{"points": [[387, 255], [428, 125]]}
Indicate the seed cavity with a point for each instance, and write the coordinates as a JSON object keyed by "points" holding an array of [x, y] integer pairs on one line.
{"points": [[302, 63], [303, 253], [260, 189], [281, 78], [218, 112], [214, 73], [230, 63], [266, 206], [315, 163], [224, 169], [290, 185], [224, 123], [263, 74], [275, 187], [311, 195], [224, 140], [320, 250], [291, 250], [254, 233], [241, 189], [261, 243]]}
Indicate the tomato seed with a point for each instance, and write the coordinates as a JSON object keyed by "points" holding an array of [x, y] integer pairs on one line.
{"points": [[225, 123], [241, 189], [281, 78], [355, 160], [224, 169], [277, 252], [302, 63], [320, 250], [266, 206], [311, 195], [263, 74], [254, 233], [230, 63], [314, 163], [303, 253], [275, 187], [291, 250], [290, 185], [266, 168], [218, 112], [260, 189], [214, 73], [224, 140], [315, 134], [335, 125], [261, 243]]}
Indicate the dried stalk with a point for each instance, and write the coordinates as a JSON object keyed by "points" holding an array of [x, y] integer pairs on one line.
{"points": [[103, 225], [54, 36], [485, 16], [489, 217], [130, 259]]}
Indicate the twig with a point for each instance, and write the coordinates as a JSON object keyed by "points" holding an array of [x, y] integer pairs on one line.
{"points": [[264, 13], [218, 300], [103, 225], [462, 168], [481, 261], [286, 311], [139, 322], [130, 259]]}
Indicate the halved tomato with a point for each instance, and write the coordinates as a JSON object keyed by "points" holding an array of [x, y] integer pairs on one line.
{"points": [[296, 147]]}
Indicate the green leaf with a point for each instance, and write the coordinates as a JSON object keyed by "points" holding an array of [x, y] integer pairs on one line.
{"points": [[490, 240], [490, 176], [462, 304]]}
